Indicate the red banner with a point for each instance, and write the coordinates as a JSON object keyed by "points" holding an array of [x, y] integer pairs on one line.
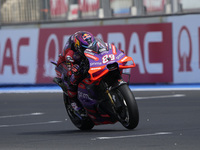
{"points": [[149, 45]]}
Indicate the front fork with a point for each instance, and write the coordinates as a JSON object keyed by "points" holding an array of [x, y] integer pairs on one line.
{"points": [[114, 99], [110, 97]]}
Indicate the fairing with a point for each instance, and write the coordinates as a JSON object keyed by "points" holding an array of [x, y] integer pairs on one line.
{"points": [[99, 61]]}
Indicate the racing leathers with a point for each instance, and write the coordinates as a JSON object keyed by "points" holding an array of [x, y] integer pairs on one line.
{"points": [[70, 69]]}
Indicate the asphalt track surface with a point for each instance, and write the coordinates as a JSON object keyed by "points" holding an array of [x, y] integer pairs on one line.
{"points": [[168, 120]]}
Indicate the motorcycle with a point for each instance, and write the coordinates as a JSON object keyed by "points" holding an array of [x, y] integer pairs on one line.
{"points": [[104, 95]]}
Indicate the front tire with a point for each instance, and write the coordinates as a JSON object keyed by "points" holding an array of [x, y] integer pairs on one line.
{"points": [[82, 123], [128, 113]]}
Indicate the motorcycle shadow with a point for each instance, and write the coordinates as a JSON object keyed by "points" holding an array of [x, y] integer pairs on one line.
{"points": [[70, 132]]}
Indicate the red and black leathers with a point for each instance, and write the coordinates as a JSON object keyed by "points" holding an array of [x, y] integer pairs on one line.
{"points": [[70, 60]]}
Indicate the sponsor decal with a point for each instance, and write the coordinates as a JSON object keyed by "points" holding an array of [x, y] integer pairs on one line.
{"points": [[91, 56], [114, 50], [82, 95], [119, 56], [123, 59], [95, 68], [95, 63]]}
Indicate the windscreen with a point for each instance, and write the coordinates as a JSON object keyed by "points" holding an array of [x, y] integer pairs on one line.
{"points": [[98, 46]]}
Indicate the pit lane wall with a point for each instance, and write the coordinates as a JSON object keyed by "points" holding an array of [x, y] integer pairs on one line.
{"points": [[165, 49]]}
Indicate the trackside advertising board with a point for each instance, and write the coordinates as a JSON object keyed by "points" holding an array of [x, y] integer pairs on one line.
{"points": [[186, 48], [163, 52], [18, 56]]}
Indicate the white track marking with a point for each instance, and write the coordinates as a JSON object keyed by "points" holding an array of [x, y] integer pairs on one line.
{"points": [[131, 136], [162, 96], [165, 89], [29, 124], [30, 91], [22, 115]]}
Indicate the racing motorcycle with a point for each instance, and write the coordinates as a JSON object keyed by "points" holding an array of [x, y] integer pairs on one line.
{"points": [[104, 95]]}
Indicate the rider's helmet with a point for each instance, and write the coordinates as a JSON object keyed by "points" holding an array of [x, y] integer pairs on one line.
{"points": [[82, 39]]}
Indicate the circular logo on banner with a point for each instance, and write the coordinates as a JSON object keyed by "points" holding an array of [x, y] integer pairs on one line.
{"points": [[184, 50]]}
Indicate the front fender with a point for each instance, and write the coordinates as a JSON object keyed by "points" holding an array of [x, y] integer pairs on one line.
{"points": [[117, 84]]}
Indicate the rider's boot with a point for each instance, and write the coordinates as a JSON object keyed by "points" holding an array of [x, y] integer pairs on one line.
{"points": [[76, 105]]}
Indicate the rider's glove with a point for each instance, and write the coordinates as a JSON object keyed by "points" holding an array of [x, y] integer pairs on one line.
{"points": [[75, 69], [61, 59]]}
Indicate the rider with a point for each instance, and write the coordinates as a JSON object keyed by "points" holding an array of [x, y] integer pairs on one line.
{"points": [[69, 65]]}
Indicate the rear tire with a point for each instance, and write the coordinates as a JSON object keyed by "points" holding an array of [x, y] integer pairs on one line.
{"points": [[128, 114], [82, 123]]}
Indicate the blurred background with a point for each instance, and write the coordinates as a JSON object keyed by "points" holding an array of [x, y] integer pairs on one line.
{"points": [[162, 37], [20, 11]]}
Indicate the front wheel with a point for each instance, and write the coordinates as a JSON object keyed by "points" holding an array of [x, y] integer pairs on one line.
{"points": [[128, 111]]}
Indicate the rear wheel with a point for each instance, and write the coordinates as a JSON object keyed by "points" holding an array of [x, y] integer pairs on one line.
{"points": [[83, 123], [127, 109]]}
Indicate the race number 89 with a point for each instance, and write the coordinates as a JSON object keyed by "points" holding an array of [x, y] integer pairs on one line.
{"points": [[107, 58]]}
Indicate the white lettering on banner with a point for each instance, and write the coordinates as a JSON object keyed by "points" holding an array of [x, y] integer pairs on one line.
{"points": [[117, 38], [135, 52], [151, 37], [186, 44], [18, 56], [48, 67]]}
